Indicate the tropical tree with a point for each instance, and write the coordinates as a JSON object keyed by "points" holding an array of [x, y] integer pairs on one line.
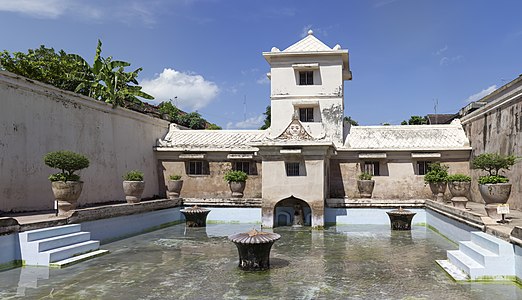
{"points": [[351, 121], [416, 120], [111, 83], [268, 116]]}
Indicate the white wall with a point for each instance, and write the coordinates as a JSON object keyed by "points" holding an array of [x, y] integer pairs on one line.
{"points": [[36, 118]]}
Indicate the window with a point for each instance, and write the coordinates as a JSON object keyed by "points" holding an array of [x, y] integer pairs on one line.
{"points": [[241, 166], [422, 167], [292, 169], [306, 78], [306, 114], [195, 168], [371, 167]]}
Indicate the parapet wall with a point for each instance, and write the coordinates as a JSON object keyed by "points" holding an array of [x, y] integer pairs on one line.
{"points": [[496, 127], [36, 118]]}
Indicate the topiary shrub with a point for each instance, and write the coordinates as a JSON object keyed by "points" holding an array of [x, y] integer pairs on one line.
{"points": [[66, 161], [235, 176], [365, 176], [459, 178], [493, 163], [436, 173], [175, 177], [133, 175]]}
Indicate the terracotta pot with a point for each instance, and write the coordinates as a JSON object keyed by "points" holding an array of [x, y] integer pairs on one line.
{"points": [[67, 194], [174, 188], [365, 188], [133, 190], [237, 188], [438, 189]]}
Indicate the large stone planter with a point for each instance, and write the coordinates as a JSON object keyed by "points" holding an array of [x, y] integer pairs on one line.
{"points": [[174, 188], [237, 188], [133, 190], [459, 191], [438, 189], [66, 194], [365, 188], [494, 194]]}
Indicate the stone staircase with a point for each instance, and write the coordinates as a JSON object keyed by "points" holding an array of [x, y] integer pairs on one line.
{"points": [[484, 257], [58, 246]]}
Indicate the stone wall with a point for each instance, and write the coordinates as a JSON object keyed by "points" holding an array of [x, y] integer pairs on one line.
{"points": [[36, 118], [496, 127]]}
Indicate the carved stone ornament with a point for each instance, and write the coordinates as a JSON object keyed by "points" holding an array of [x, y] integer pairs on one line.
{"points": [[295, 131]]}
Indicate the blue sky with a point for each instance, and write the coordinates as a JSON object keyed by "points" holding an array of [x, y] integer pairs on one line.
{"points": [[405, 55]]}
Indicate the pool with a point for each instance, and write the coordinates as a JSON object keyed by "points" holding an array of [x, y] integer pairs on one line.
{"points": [[340, 262]]}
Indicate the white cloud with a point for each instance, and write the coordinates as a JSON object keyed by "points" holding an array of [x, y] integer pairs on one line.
{"points": [[263, 80], [316, 30], [382, 3], [192, 91], [441, 50], [37, 8], [251, 123], [304, 32], [481, 94], [450, 60]]}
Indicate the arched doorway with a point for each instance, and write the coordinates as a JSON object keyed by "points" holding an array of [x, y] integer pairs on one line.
{"points": [[292, 211]]}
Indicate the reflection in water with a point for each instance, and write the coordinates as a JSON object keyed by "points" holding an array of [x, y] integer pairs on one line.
{"points": [[342, 262]]}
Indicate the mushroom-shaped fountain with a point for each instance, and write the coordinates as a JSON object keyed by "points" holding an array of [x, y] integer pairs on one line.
{"points": [[254, 249], [400, 219], [195, 216]]}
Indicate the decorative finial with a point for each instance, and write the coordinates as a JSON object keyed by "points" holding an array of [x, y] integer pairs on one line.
{"points": [[310, 32]]}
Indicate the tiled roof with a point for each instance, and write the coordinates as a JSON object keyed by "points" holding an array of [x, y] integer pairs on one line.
{"points": [[309, 44], [208, 140], [403, 137]]}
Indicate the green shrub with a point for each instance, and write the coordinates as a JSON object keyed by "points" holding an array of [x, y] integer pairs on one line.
{"points": [[133, 175], [436, 173], [459, 178], [175, 177], [66, 161], [235, 176], [365, 176], [493, 163], [492, 179]]}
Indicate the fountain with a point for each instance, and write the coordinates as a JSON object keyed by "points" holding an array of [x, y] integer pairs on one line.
{"points": [[195, 216], [254, 249], [400, 219]]}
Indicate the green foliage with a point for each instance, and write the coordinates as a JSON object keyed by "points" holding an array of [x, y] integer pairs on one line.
{"points": [[192, 120], [236, 176], [416, 120], [350, 120], [436, 173], [170, 110], [365, 176], [111, 83], [213, 126], [66, 161], [133, 175], [493, 163], [268, 117], [492, 179], [62, 70], [175, 177], [459, 178]]}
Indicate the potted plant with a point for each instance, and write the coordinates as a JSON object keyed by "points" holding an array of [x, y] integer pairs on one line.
{"points": [[237, 182], [365, 185], [437, 177], [459, 185], [174, 185], [494, 188], [133, 186], [66, 185]]}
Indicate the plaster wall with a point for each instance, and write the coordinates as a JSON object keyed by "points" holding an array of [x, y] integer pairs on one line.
{"points": [[497, 128], [211, 185], [36, 118], [398, 179], [9, 250]]}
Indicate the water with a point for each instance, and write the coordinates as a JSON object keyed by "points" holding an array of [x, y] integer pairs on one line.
{"points": [[343, 262]]}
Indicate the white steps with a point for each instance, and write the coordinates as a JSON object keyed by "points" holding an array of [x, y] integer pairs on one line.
{"points": [[50, 246], [484, 257]]}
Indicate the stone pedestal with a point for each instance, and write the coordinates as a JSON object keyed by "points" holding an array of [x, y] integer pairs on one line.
{"points": [[459, 202], [195, 216], [400, 219], [254, 249]]}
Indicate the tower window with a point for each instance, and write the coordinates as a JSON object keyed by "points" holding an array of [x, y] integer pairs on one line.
{"points": [[306, 114], [306, 78], [292, 169]]}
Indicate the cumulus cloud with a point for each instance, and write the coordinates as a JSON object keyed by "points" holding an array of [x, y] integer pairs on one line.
{"points": [[251, 123], [192, 90], [481, 94]]}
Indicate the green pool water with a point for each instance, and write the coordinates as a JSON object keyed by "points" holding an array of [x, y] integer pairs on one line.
{"points": [[343, 262]]}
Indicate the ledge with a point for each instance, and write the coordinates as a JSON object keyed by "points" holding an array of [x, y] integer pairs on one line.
{"points": [[223, 202], [373, 203]]}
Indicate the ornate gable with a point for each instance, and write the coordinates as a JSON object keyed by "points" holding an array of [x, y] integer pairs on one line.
{"points": [[295, 132]]}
